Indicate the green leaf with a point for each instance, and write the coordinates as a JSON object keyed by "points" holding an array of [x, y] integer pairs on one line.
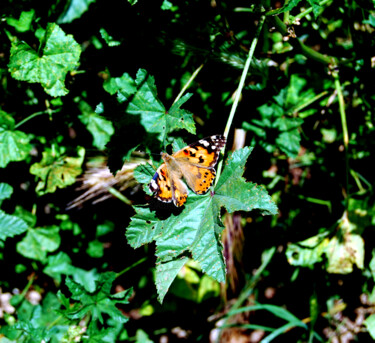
{"points": [[99, 301], [11, 226], [198, 227], [59, 55], [57, 171], [307, 252], [14, 144], [22, 24], [165, 274], [58, 265], [100, 128], [154, 117], [75, 10], [95, 249], [5, 191], [124, 83], [38, 242]]}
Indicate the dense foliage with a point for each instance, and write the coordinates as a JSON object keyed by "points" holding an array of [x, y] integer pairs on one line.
{"points": [[281, 247]]}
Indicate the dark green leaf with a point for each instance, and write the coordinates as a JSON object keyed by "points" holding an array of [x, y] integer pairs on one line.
{"points": [[100, 128], [38, 242], [14, 144], [124, 83]]}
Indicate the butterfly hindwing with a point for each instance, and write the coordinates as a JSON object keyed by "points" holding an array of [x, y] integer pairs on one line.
{"points": [[161, 184]]}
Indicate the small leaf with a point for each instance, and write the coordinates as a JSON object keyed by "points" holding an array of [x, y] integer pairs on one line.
{"points": [[57, 171], [11, 226], [307, 252], [38, 242], [60, 55], [100, 128], [22, 24], [75, 10], [124, 83], [5, 191], [14, 144], [95, 249]]}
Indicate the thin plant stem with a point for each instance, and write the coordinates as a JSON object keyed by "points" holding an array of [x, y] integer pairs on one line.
{"points": [[345, 132], [131, 267], [31, 116], [240, 87], [119, 195], [187, 84], [298, 17]]}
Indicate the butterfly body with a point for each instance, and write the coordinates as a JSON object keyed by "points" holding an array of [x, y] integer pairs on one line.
{"points": [[194, 163]]}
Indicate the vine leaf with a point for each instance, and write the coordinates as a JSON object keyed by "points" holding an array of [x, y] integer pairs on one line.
{"points": [[154, 116], [59, 54], [57, 171], [196, 230], [15, 144]]}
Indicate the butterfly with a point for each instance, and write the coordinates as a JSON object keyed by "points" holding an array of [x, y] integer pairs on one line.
{"points": [[194, 163]]}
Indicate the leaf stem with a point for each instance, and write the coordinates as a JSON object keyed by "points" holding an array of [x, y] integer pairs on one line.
{"points": [[345, 132], [299, 46], [298, 17], [119, 195], [187, 84], [131, 267], [31, 116]]}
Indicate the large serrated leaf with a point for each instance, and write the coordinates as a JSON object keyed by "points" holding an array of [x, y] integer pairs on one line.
{"points": [[60, 54], [198, 227]]}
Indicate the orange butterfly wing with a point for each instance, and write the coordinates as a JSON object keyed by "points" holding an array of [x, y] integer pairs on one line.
{"points": [[195, 163]]}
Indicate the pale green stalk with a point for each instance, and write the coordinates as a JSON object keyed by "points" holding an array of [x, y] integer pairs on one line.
{"points": [[240, 87]]}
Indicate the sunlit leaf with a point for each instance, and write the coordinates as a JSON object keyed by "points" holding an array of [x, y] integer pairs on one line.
{"points": [[57, 171], [198, 227], [59, 55], [22, 24], [11, 226]]}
